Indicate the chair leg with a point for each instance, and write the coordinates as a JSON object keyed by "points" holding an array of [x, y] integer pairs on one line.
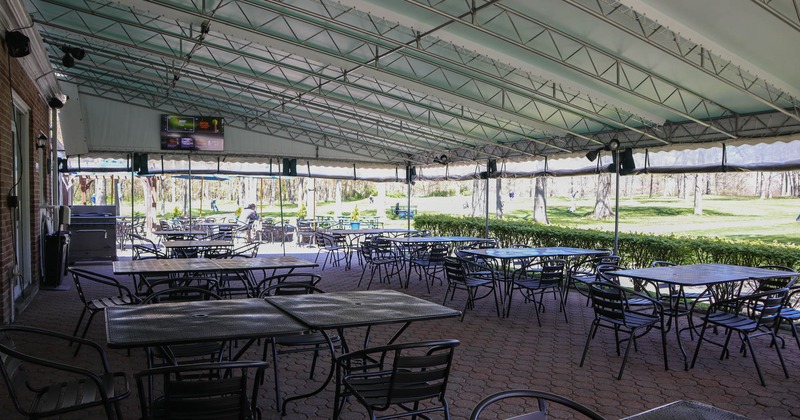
{"points": [[780, 355], [592, 332], [625, 358], [85, 330], [699, 343]]}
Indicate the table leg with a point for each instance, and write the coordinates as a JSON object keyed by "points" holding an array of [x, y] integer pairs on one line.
{"points": [[324, 383]]}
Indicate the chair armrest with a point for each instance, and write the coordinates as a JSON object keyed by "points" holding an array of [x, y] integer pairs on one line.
{"points": [[108, 281], [57, 335]]}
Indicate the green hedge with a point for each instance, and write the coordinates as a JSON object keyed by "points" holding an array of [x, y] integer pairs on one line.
{"points": [[636, 249]]}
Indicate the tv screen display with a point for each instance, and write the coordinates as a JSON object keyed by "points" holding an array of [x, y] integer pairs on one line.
{"points": [[187, 132]]}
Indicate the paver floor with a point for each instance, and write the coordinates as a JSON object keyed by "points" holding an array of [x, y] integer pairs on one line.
{"points": [[495, 354]]}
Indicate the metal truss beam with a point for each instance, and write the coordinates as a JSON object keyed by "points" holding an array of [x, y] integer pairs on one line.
{"points": [[689, 52], [219, 69]]}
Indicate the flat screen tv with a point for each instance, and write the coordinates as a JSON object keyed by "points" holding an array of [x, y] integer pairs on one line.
{"points": [[187, 132]]}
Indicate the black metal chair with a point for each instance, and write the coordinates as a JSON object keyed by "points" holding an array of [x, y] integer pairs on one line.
{"points": [[93, 302], [584, 272], [380, 257], [308, 341], [537, 278], [412, 377], [458, 278], [335, 248], [791, 313], [520, 410], [749, 316], [427, 261], [144, 248], [310, 279], [612, 311], [202, 391], [39, 397]]}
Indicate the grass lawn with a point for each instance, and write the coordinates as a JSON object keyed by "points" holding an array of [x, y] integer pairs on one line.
{"points": [[728, 217]]}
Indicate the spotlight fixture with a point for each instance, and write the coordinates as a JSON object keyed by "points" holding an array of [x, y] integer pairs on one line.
{"points": [[442, 160], [55, 103], [611, 146], [71, 54], [41, 141]]}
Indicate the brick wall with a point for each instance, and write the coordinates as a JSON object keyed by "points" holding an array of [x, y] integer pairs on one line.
{"points": [[12, 76]]}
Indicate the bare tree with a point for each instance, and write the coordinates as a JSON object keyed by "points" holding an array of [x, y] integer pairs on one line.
{"points": [[540, 201], [478, 197], [602, 202], [100, 191], [698, 194], [499, 198]]}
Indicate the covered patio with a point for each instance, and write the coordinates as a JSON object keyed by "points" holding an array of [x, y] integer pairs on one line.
{"points": [[495, 354]]}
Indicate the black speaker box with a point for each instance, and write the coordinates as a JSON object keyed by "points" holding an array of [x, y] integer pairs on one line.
{"points": [[289, 167], [626, 163], [18, 44], [491, 167], [140, 163], [411, 174]]}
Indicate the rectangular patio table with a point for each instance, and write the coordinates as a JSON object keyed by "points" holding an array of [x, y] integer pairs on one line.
{"points": [[407, 242], [680, 276], [177, 235], [244, 266], [172, 323], [340, 310], [195, 246], [506, 255]]}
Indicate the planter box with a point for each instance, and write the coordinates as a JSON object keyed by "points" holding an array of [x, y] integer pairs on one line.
{"points": [[355, 225]]}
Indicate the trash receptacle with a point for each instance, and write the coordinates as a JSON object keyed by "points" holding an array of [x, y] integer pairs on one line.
{"points": [[55, 257]]}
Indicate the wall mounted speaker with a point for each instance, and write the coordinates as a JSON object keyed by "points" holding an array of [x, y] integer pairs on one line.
{"points": [[18, 44], [491, 167], [626, 163], [411, 174], [289, 167], [140, 163], [62, 165]]}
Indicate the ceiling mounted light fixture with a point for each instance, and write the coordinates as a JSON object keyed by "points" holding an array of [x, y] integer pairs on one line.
{"points": [[442, 160], [55, 103], [612, 145], [71, 54]]}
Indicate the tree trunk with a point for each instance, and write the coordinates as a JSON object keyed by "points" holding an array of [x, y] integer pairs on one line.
{"points": [[698, 195], [149, 202], [499, 198], [478, 198], [602, 203], [540, 201], [380, 202], [100, 191], [338, 197]]}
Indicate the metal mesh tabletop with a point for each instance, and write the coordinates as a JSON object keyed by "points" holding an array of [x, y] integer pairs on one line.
{"points": [[368, 231], [701, 274], [432, 239], [190, 322], [359, 308], [513, 253], [686, 410], [164, 265], [265, 263], [196, 244], [179, 265]]}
